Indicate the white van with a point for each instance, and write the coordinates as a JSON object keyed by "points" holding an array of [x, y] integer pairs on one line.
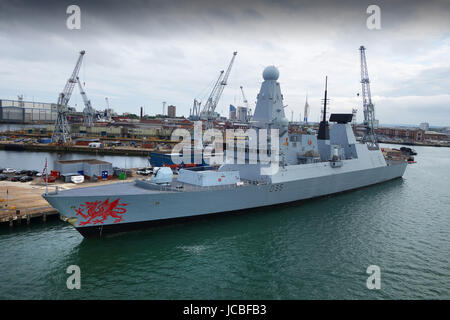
{"points": [[77, 179], [95, 145]]}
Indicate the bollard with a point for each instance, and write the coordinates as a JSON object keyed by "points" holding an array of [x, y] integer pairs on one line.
{"points": [[11, 223], [19, 218], [44, 218], [28, 219]]}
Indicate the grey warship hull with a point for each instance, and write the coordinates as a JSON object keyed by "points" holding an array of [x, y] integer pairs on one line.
{"points": [[138, 207]]}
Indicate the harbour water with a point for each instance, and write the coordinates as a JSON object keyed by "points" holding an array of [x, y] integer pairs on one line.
{"points": [[18, 126], [317, 249], [36, 160]]}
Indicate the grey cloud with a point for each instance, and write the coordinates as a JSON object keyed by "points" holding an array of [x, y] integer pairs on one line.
{"points": [[429, 82], [146, 52]]}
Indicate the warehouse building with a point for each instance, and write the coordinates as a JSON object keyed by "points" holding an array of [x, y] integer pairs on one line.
{"points": [[20, 111], [86, 167]]}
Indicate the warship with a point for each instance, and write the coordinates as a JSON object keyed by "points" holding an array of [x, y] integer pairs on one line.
{"points": [[309, 165]]}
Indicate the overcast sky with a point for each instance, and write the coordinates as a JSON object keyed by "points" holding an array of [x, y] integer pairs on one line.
{"points": [[141, 53]]}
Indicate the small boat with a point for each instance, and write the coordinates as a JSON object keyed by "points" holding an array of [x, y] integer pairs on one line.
{"points": [[164, 159]]}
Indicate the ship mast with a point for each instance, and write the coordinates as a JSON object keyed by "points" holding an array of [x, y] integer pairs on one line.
{"points": [[324, 132]]}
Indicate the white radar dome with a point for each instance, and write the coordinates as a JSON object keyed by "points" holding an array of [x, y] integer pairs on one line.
{"points": [[271, 73]]}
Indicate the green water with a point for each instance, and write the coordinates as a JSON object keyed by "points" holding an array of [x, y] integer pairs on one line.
{"points": [[319, 249]]}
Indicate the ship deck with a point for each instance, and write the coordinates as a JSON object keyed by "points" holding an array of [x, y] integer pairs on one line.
{"points": [[139, 187], [120, 188], [145, 187]]}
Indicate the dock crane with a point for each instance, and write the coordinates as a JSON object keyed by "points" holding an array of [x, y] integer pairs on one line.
{"points": [[88, 112], [208, 113], [107, 116], [208, 108], [369, 113], [61, 132], [244, 98], [195, 111], [249, 110]]}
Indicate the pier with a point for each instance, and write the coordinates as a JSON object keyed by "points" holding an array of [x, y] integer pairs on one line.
{"points": [[22, 204], [17, 217]]}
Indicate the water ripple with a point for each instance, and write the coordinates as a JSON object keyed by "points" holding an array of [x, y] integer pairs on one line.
{"points": [[319, 249]]}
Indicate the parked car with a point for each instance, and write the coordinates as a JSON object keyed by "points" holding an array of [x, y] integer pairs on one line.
{"points": [[26, 179], [1, 170], [9, 170], [96, 145], [22, 172], [15, 178], [32, 173], [3, 177], [39, 174]]}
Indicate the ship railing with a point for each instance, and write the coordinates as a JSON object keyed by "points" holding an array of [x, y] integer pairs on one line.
{"points": [[188, 187]]}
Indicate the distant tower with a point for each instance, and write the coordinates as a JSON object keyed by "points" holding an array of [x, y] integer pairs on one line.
{"points": [[368, 108], [305, 116], [233, 113], [172, 111], [164, 108]]}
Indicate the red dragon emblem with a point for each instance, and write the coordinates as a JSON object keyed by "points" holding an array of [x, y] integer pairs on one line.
{"points": [[98, 211]]}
